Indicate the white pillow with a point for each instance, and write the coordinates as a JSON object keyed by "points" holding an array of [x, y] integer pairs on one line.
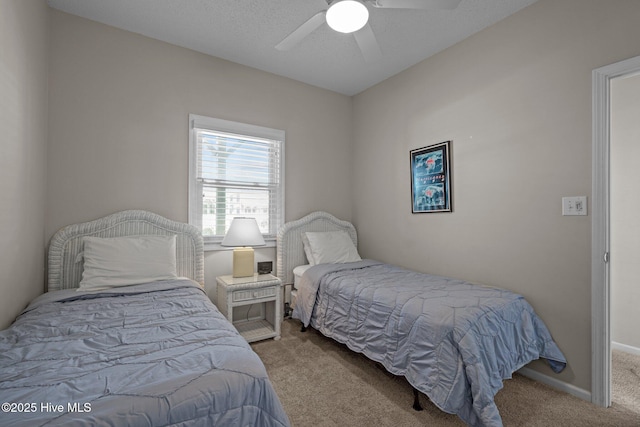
{"points": [[122, 261], [330, 247], [298, 272], [307, 249]]}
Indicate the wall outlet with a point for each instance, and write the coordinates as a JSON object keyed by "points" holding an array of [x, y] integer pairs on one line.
{"points": [[576, 205]]}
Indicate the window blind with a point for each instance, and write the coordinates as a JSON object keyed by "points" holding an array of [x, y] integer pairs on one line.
{"points": [[238, 174]]}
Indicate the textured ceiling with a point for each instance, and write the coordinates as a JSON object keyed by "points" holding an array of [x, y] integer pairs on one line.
{"points": [[246, 31]]}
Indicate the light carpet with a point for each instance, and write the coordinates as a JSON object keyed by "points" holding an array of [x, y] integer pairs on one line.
{"points": [[321, 383], [625, 380]]}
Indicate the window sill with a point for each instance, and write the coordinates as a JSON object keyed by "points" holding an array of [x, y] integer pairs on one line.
{"points": [[213, 246]]}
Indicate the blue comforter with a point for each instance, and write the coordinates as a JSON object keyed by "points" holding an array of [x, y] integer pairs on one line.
{"points": [[453, 340], [159, 354]]}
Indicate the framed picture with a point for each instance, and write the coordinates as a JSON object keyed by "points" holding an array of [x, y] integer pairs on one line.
{"points": [[431, 178]]}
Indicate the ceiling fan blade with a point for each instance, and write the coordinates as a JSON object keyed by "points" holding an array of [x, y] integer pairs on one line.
{"points": [[368, 44], [416, 4], [302, 31]]}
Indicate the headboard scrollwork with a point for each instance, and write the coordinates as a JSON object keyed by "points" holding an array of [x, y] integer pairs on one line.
{"points": [[290, 252], [65, 269]]}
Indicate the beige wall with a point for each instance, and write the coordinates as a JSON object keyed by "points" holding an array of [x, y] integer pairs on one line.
{"points": [[516, 101], [24, 30], [119, 106], [625, 205]]}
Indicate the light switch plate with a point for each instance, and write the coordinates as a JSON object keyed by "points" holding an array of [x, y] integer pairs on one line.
{"points": [[576, 205]]}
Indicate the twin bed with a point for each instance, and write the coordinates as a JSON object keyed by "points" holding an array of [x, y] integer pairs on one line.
{"points": [[453, 341], [126, 335], [97, 350]]}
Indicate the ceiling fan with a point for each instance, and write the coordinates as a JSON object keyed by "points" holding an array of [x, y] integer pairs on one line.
{"points": [[352, 16]]}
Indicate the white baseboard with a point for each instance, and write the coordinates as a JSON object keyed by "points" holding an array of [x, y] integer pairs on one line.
{"points": [[568, 388], [625, 348], [557, 384]]}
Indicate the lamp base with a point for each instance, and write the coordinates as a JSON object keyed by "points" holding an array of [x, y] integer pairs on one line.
{"points": [[243, 262]]}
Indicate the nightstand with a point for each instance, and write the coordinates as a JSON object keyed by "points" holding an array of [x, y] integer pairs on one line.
{"points": [[264, 290]]}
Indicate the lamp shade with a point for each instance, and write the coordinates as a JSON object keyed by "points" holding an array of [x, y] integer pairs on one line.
{"points": [[347, 16], [243, 232]]}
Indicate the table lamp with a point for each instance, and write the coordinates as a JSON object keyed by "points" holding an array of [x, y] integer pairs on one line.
{"points": [[243, 234]]}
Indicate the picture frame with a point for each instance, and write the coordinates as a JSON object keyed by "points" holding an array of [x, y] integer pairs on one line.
{"points": [[431, 178]]}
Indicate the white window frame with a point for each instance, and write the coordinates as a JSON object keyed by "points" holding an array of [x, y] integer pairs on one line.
{"points": [[212, 243]]}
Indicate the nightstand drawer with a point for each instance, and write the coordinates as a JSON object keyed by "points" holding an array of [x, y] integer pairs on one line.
{"points": [[248, 294]]}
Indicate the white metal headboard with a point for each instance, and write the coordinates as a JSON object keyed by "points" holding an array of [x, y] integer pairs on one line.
{"points": [[290, 252], [65, 272]]}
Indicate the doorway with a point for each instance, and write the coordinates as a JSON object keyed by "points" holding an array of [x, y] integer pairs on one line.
{"points": [[601, 227], [625, 241]]}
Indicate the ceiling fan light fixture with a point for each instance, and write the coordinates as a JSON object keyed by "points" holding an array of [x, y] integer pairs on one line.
{"points": [[347, 16]]}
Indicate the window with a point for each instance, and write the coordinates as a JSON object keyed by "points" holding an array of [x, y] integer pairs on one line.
{"points": [[235, 170]]}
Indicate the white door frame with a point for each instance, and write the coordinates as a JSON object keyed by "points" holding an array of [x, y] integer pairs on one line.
{"points": [[600, 228]]}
